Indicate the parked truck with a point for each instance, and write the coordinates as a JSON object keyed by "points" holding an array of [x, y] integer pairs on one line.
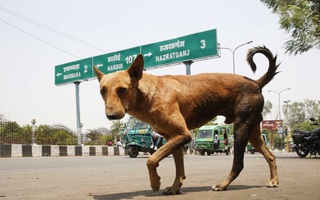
{"points": [[213, 138]]}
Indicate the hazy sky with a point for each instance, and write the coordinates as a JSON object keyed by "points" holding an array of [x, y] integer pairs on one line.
{"points": [[27, 64]]}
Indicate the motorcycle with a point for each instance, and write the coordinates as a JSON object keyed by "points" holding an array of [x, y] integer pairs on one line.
{"points": [[306, 142]]}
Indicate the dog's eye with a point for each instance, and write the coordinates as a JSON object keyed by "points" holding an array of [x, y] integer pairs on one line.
{"points": [[103, 91], [122, 90]]}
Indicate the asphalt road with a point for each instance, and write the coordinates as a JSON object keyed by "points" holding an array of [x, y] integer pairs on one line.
{"points": [[120, 177]]}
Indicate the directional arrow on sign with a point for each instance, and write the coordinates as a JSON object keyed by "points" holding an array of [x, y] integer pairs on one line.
{"points": [[99, 65], [148, 54]]}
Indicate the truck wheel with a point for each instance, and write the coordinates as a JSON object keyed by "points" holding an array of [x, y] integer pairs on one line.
{"points": [[208, 153], [133, 151], [202, 152]]}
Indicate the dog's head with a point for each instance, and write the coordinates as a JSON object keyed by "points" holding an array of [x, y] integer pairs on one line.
{"points": [[119, 89]]}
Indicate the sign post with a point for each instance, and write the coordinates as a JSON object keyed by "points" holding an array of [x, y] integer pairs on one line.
{"points": [[77, 84]]}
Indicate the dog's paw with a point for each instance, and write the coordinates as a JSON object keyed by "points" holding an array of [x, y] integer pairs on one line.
{"points": [[155, 184], [217, 187], [171, 191], [273, 183]]}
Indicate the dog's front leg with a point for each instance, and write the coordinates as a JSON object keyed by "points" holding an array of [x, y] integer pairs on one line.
{"points": [[180, 174], [173, 145]]}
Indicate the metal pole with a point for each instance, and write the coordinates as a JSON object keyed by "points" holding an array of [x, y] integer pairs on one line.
{"points": [[78, 112], [233, 54], [188, 66], [279, 105], [279, 93], [33, 122]]}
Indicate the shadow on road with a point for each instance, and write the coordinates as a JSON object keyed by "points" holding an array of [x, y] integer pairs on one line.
{"points": [[149, 193]]}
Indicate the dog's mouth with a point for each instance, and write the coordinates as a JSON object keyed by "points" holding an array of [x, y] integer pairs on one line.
{"points": [[114, 116]]}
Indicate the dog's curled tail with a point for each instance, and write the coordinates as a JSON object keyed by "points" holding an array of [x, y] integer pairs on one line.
{"points": [[273, 66]]}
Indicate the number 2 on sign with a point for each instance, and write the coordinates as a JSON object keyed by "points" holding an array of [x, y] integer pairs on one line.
{"points": [[85, 69], [203, 44]]}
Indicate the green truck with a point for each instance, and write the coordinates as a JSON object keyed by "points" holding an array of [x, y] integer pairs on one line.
{"points": [[213, 138], [136, 137]]}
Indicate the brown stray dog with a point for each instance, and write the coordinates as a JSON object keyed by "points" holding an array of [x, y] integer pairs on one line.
{"points": [[173, 105]]}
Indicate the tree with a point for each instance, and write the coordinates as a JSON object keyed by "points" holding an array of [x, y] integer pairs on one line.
{"points": [[115, 129], [301, 19], [63, 137], [300, 112], [44, 134], [267, 108], [306, 126], [94, 136], [13, 133]]}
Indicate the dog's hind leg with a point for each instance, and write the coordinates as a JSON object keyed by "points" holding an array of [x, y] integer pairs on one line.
{"points": [[241, 137], [257, 142]]}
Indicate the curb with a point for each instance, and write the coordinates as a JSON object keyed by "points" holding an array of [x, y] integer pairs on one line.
{"points": [[28, 150]]}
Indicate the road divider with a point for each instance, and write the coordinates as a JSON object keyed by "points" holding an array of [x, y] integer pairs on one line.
{"points": [[28, 150]]}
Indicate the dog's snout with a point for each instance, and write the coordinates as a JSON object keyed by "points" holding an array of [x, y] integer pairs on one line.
{"points": [[112, 117], [115, 115]]}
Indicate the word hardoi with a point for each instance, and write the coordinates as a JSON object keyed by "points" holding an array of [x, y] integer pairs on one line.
{"points": [[115, 67]]}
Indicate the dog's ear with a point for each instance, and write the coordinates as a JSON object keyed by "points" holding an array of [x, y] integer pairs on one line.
{"points": [[99, 74], [136, 68]]}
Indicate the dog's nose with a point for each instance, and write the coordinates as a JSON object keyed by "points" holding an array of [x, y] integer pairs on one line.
{"points": [[112, 117]]}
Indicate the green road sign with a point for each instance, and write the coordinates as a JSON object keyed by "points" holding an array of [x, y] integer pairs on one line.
{"points": [[116, 61], [74, 71], [191, 47]]}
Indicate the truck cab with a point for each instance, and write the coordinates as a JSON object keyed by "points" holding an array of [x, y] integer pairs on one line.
{"points": [[136, 137], [251, 149], [213, 138]]}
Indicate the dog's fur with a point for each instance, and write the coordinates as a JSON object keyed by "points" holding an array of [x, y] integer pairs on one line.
{"points": [[173, 105]]}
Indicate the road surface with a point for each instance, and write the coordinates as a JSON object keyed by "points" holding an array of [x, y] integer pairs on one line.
{"points": [[121, 177]]}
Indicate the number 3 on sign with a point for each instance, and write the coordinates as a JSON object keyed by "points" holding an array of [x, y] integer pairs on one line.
{"points": [[203, 44]]}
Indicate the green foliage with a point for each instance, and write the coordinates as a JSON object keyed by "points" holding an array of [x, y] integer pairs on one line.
{"points": [[63, 137], [94, 136], [301, 19], [13, 132], [44, 134], [116, 128], [306, 126], [267, 108], [300, 112]]}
